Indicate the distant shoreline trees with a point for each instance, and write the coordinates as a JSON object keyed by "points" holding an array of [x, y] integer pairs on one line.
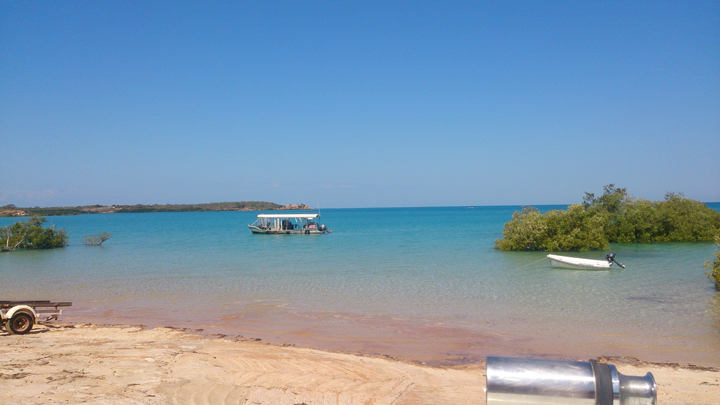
{"points": [[613, 217], [31, 235]]}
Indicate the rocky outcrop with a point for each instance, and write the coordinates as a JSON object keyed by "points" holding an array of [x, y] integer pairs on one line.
{"points": [[13, 213], [100, 209], [295, 207]]}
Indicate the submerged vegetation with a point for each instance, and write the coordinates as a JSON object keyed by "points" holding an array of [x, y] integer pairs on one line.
{"points": [[31, 235], [615, 216], [96, 240]]}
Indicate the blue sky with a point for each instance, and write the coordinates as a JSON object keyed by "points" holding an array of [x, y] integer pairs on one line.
{"points": [[357, 104]]}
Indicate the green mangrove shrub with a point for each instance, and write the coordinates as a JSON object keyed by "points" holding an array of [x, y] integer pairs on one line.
{"points": [[556, 230], [31, 235], [615, 216], [713, 270]]}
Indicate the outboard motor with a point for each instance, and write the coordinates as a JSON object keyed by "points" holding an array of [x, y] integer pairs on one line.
{"points": [[611, 258], [515, 381], [323, 228]]}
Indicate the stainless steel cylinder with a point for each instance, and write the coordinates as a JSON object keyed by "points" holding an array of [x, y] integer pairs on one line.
{"points": [[516, 381]]}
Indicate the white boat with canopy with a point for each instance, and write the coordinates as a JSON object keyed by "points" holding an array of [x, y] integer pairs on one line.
{"points": [[578, 263], [288, 224]]}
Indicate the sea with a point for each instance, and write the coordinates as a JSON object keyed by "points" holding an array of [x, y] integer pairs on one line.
{"points": [[417, 284]]}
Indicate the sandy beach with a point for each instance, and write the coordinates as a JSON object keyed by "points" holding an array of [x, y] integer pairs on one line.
{"points": [[72, 363]]}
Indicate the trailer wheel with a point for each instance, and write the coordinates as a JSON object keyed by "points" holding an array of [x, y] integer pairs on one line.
{"points": [[20, 324]]}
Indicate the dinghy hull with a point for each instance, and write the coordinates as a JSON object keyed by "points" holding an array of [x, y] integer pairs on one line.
{"points": [[566, 262]]}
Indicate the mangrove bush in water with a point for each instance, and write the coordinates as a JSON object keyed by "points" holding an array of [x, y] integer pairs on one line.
{"points": [[31, 235], [713, 269], [613, 217], [96, 240]]}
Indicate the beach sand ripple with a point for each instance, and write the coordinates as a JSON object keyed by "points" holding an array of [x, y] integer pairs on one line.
{"points": [[111, 364]]}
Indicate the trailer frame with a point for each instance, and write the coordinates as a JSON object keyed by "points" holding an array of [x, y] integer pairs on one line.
{"points": [[19, 317]]}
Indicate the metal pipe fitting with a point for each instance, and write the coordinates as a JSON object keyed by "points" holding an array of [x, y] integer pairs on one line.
{"points": [[516, 381]]}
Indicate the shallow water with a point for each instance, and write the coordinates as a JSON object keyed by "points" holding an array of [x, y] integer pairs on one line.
{"points": [[419, 283]]}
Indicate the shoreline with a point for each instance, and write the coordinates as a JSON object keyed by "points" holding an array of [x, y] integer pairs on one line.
{"points": [[471, 362], [84, 362], [417, 341]]}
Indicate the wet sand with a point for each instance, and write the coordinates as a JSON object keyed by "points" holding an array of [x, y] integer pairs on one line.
{"points": [[436, 343], [112, 364]]}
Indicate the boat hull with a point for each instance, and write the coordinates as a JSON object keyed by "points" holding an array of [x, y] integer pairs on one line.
{"points": [[566, 262], [257, 230]]}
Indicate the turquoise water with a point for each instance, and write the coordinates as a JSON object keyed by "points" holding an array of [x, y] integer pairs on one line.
{"points": [[419, 283]]}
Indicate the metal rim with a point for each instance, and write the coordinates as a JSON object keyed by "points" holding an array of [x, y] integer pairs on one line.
{"points": [[20, 323]]}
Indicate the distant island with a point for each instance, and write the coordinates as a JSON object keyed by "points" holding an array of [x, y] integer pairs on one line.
{"points": [[13, 211]]}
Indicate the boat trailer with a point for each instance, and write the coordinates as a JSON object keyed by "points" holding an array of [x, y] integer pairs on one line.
{"points": [[18, 317]]}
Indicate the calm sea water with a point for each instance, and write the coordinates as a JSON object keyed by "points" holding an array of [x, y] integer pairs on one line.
{"points": [[419, 283]]}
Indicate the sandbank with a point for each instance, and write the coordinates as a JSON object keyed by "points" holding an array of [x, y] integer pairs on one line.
{"points": [[72, 363]]}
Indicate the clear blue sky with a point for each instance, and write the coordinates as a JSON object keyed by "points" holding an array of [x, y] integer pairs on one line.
{"points": [[357, 104]]}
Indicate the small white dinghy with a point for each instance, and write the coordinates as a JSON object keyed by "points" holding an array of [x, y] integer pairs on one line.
{"points": [[578, 263]]}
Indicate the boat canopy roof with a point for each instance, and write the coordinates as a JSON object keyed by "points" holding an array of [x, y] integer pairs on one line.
{"points": [[305, 216]]}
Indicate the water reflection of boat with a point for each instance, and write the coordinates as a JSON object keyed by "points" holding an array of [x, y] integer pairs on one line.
{"points": [[288, 224], [578, 263]]}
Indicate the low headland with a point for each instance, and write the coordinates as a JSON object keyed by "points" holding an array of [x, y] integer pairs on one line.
{"points": [[13, 211]]}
